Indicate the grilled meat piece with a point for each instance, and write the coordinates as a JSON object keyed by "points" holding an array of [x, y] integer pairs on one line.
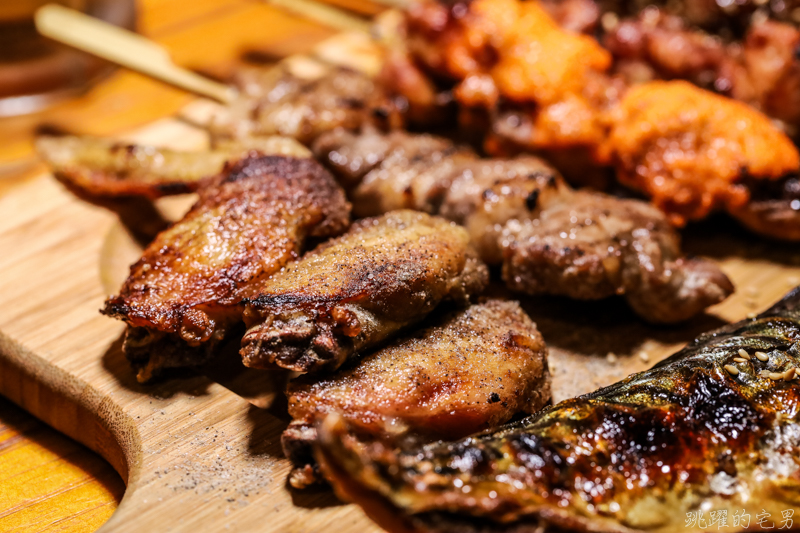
{"points": [[690, 162], [507, 50], [398, 170], [657, 45], [713, 428], [353, 292], [762, 69], [730, 20], [471, 371], [773, 209], [94, 168], [277, 102], [185, 292], [520, 213], [546, 89]]}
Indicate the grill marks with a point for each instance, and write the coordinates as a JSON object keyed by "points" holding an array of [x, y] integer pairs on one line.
{"points": [[636, 455]]}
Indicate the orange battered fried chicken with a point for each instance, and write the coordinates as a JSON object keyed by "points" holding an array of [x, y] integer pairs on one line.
{"points": [[506, 50], [689, 149]]}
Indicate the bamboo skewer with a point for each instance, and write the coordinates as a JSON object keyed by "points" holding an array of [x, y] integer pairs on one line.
{"points": [[142, 55], [124, 48], [323, 14]]}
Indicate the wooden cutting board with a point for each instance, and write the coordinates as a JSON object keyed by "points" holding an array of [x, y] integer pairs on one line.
{"points": [[203, 452]]}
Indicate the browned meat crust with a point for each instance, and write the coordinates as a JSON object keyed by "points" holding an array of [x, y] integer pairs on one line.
{"points": [[774, 209], [729, 19], [392, 171], [470, 372], [94, 168], [355, 291], [249, 223], [277, 102], [614, 246], [714, 427], [519, 213], [657, 45]]}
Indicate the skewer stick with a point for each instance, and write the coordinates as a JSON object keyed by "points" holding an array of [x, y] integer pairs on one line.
{"points": [[323, 14], [124, 48]]}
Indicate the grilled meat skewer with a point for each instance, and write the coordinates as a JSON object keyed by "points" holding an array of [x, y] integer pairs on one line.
{"points": [[520, 214]]}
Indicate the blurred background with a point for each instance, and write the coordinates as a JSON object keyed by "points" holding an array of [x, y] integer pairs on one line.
{"points": [[46, 83]]}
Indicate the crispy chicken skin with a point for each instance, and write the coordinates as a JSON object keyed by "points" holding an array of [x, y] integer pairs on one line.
{"points": [[185, 292], [353, 292], [94, 168], [520, 214], [714, 427], [471, 371], [276, 101]]}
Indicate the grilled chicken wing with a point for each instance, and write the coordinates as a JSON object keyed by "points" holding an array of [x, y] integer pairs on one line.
{"points": [[95, 168], [471, 371], [713, 428], [185, 292], [519, 213], [355, 291]]}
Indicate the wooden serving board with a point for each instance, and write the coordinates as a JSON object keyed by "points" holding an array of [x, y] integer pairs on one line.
{"points": [[203, 452]]}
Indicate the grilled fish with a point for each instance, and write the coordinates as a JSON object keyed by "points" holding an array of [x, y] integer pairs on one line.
{"points": [[355, 291], [470, 371], [715, 427], [184, 294]]}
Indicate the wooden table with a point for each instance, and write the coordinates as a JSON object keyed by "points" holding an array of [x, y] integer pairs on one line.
{"points": [[47, 481]]}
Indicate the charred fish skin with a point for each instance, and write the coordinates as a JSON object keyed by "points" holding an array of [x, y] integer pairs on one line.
{"points": [[715, 427]]}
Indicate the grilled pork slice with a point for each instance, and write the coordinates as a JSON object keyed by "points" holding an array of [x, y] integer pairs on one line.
{"points": [[713, 428], [96, 169], [520, 214], [470, 371], [184, 294], [355, 291]]}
